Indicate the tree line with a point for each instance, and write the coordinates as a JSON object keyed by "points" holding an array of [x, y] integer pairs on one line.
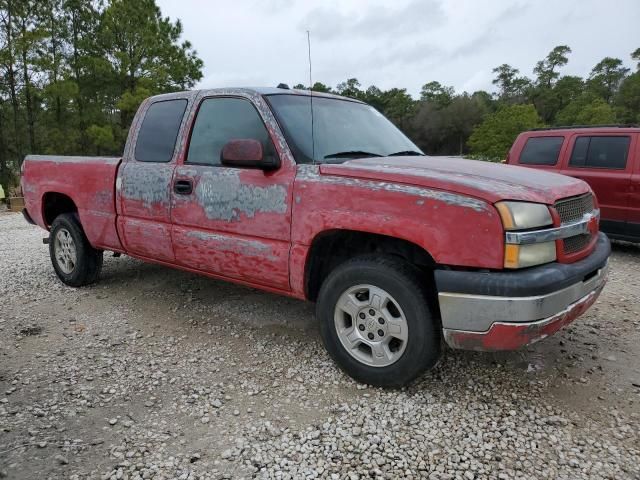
{"points": [[484, 125], [73, 73]]}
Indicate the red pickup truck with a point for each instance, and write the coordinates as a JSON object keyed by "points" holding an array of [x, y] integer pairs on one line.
{"points": [[606, 157], [321, 198]]}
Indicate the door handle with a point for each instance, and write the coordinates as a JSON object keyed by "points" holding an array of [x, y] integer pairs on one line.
{"points": [[183, 187]]}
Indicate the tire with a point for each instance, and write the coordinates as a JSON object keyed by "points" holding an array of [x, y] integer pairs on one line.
{"points": [[349, 291], [74, 260]]}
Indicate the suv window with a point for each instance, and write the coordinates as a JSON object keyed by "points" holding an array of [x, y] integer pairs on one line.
{"points": [[159, 131], [600, 152], [220, 120], [541, 151]]}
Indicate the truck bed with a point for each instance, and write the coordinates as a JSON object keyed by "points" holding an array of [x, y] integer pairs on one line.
{"points": [[89, 182]]}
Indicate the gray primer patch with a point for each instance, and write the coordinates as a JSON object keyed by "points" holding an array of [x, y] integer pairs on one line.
{"points": [[250, 248], [71, 159], [224, 197], [147, 183], [311, 173]]}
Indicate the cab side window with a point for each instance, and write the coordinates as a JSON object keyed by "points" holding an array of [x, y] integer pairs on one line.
{"points": [[600, 152], [159, 131], [220, 120], [541, 151]]}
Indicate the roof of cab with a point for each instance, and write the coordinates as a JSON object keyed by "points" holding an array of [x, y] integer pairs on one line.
{"points": [[259, 90], [551, 131]]}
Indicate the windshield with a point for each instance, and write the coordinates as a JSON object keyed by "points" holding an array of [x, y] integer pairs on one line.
{"points": [[342, 129]]}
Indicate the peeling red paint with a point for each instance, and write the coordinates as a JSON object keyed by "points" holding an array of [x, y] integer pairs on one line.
{"points": [[435, 220], [484, 180], [88, 181]]}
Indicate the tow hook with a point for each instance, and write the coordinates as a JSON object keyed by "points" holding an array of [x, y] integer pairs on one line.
{"points": [[45, 240]]}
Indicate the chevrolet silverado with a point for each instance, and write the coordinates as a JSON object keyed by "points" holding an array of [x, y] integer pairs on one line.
{"points": [[321, 198]]}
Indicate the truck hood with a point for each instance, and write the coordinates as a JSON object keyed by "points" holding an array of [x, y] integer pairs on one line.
{"points": [[488, 181]]}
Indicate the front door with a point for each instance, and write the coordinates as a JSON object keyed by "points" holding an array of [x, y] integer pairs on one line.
{"points": [[232, 222]]}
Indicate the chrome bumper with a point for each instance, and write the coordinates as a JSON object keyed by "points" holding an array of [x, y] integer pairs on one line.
{"points": [[478, 313]]}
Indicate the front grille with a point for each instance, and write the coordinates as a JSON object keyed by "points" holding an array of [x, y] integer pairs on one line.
{"points": [[573, 209], [576, 243]]}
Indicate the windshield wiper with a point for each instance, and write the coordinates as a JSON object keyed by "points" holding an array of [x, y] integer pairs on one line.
{"points": [[352, 154], [406, 153]]}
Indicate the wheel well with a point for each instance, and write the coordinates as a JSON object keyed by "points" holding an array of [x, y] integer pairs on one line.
{"points": [[54, 204], [330, 249]]}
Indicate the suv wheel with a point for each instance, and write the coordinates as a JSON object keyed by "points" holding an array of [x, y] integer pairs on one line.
{"points": [[375, 321]]}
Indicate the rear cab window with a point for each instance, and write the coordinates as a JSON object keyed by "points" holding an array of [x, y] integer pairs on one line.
{"points": [[159, 131], [541, 151], [607, 152]]}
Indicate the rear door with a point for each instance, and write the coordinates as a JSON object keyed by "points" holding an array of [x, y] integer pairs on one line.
{"points": [[602, 160], [633, 226], [233, 222], [143, 186]]}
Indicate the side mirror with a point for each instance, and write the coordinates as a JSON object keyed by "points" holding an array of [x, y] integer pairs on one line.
{"points": [[246, 153]]}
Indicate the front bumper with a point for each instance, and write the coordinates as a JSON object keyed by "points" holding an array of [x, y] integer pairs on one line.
{"points": [[507, 310]]}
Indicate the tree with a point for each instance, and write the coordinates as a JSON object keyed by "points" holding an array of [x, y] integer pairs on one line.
{"points": [[143, 50], [492, 139], [549, 101], [88, 69], [606, 77], [588, 109], [628, 99], [445, 130], [437, 93], [636, 56], [567, 89], [398, 106], [27, 41], [512, 88], [461, 116], [545, 70], [350, 88], [8, 65], [321, 87]]}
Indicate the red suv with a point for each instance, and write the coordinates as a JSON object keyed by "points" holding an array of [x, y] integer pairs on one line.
{"points": [[606, 157]]}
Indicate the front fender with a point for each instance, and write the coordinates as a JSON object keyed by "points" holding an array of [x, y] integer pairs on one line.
{"points": [[454, 229]]}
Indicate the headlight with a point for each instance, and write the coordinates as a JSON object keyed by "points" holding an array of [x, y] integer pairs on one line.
{"points": [[526, 216], [523, 215], [521, 256]]}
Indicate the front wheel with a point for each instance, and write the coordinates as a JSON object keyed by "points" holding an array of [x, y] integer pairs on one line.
{"points": [[74, 260], [375, 321]]}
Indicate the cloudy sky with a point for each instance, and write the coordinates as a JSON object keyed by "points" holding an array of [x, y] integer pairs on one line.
{"points": [[399, 43]]}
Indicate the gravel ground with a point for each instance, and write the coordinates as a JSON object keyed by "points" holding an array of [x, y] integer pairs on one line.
{"points": [[155, 373]]}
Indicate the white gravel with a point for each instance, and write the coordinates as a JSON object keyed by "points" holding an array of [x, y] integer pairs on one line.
{"points": [[155, 373]]}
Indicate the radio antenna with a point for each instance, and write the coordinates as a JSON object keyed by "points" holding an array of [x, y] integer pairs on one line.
{"points": [[313, 141]]}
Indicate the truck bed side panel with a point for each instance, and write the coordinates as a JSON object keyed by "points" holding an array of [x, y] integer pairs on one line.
{"points": [[88, 181]]}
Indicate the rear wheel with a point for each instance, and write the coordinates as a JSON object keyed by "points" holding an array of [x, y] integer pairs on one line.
{"points": [[74, 260], [376, 323]]}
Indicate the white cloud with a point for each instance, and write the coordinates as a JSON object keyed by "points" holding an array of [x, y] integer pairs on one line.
{"points": [[401, 43]]}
